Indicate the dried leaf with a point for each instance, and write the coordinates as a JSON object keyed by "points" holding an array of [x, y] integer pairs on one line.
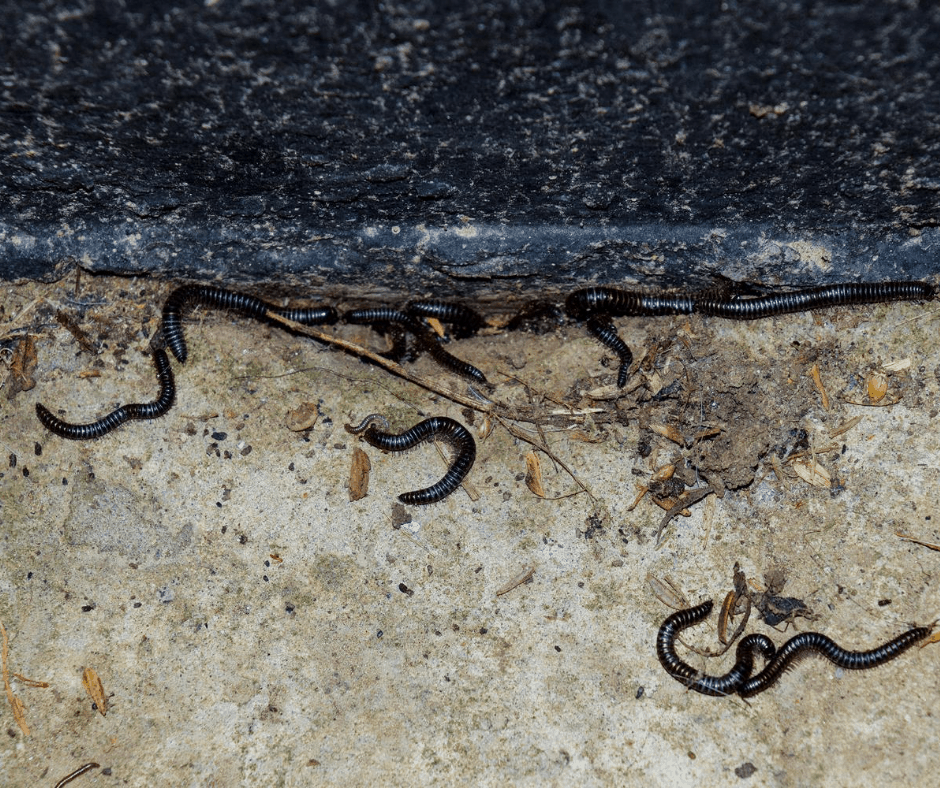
{"points": [[813, 473], [533, 474], [819, 386], [669, 432], [898, 366], [95, 690], [302, 417], [22, 367], [877, 386], [359, 475]]}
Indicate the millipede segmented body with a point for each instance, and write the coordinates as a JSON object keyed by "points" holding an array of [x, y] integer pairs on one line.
{"points": [[219, 298], [147, 410], [382, 314], [602, 328], [844, 294], [426, 339], [466, 321], [694, 679], [440, 427], [625, 303], [807, 643]]}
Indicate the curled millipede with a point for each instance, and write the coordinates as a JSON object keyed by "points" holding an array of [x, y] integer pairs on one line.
{"points": [[466, 321], [602, 328], [442, 427], [694, 679], [806, 643], [844, 294], [219, 298], [148, 410]]}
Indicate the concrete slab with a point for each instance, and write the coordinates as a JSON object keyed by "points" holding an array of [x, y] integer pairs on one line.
{"points": [[253, 626]]}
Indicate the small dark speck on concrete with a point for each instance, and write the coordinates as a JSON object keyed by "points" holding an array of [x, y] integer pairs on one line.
{"points": [[37, 447], [219, 504], [137, 604], [65, 482], [745, 770], [558, 649], [12, 460], [289, 608], [246, 451], [87, 608], [405, 590], [29, 575], [219, 436], [379, 634], [483, 630], [243, 539], [265, 578], [639, 691], [883, 602], [290, 467], [26, 472]]}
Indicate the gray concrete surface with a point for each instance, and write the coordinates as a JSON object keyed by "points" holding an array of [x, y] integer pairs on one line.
{"points": [[149, 555]]}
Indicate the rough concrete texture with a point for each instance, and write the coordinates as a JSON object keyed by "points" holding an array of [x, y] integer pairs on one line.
{"points": [[470, 148], [252, 626]]}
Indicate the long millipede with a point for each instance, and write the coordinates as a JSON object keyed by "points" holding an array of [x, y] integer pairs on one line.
{"points": [[219, 298], [426, 339], [622, 303], [466, 321], [602, 328], [845, 294], [685, 674], [87, 767], [125, 413], [806, 643], [442, 427]]}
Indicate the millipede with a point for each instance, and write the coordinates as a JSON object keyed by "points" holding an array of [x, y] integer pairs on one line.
{"points": [[220, 298], [440, 427], [727, 299], [845, 294], [465, 320], [807, 643], [85, 767], [717, 686], [134, 411], [602, 328], [426, 339]]}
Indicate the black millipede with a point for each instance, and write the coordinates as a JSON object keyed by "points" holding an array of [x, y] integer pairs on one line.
{"points": [[427, 340], [466, 321], [626, 303], [381, 314], [807, 643], [844, 294], [219, 298], [685, 674], [442, 427], [602, 328], [146, 410]]}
